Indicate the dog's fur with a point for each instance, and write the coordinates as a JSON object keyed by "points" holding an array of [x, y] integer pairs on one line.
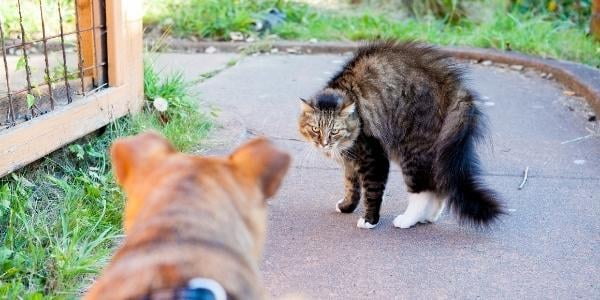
{"points": [[188, 216]]}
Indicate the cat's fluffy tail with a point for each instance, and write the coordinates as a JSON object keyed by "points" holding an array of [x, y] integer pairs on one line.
{"points": [[457, 165]]}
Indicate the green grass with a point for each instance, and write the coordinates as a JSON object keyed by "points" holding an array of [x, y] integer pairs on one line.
{"points": [[495, 26], [61, 218]]}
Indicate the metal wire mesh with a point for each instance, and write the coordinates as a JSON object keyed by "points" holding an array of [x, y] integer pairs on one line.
{"points": [[53, 53]]}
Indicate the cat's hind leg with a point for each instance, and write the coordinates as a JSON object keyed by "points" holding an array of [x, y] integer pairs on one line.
{"points": [[437, 209], [424, 205], [422, 208]]}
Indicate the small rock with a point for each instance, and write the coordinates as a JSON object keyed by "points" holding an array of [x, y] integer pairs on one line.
{"points": [[236, 36], [517, 67], [549, 76], [274, 50], [486, 62], [250, 39], [579, 161], [543, 75], [569, 93], [313, 41], [292, 50], [210, 50], [501, 65], [592, 118], [570, 108]]}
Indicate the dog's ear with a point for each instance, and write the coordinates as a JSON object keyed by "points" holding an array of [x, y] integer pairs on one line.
{"points": [[130, 153], [260, 161]]}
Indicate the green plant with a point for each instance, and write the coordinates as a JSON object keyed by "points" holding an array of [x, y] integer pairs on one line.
{"points": [[450, 11], [480, 23], [30, 10], [209, 18], [575, 11]]}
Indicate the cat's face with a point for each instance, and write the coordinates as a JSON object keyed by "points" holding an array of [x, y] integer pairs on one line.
{"points": [[329, 123]]}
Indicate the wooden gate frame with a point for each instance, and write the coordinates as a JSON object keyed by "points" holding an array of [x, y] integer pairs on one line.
{"points": [[31, 140]]}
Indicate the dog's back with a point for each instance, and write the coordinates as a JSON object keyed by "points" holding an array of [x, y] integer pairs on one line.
{"points": [[189, 217]]}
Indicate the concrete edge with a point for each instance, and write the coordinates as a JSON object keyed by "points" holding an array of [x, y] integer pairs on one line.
{"points": [[581, 79]]}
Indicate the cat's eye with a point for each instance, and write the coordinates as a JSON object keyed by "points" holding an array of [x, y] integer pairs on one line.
{"points": [[315, 129], [335, 131]]}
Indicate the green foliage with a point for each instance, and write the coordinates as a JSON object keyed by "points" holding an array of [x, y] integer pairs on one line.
{"points": [[450, 11], [31, 14], [519, 26], [209, 18], [186, 124], [575, 11], [30, 100], [61, 219]]}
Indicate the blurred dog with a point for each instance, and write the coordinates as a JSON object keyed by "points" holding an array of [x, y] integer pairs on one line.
{"points": [[195, 226]]}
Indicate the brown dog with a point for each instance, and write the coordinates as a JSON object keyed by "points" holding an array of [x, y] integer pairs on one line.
{"points": [[190, 218]]}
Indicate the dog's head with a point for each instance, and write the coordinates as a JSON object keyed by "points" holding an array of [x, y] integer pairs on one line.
{"points": [[150, 171]]}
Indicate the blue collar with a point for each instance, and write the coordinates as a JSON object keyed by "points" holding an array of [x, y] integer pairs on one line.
{"points": [[197, 289]]}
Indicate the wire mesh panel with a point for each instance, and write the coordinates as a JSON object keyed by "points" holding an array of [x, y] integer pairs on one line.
{"points": [[68, 67], [53, 53]]}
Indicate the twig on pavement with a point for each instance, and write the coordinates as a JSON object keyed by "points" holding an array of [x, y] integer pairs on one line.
{"points": [[525, 174]]}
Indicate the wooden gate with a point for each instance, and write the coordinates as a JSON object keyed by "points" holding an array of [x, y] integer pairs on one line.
{"points": [[98, 77]]}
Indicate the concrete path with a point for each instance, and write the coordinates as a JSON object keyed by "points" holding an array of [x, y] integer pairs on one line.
{"points": [[548, 247]]}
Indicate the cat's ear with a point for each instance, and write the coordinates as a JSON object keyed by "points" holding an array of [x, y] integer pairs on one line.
{"points": [[348, 109], [305, 106]]}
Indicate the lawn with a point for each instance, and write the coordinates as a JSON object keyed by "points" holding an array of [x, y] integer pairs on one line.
{"points": [[533, 27], [60, 218]]}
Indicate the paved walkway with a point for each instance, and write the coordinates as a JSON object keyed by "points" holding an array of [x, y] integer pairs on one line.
{"points": [[548, 247]]}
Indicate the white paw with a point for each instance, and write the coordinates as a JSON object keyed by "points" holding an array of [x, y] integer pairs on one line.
{"points": [[337, 205], [364, 224], [401, 221]]}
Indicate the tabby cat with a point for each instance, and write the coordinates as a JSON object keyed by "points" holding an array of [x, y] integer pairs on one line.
{"points": [[405, 102]]}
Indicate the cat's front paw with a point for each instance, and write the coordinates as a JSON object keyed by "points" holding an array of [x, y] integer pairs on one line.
{"points": [[344, 206], [365, 224], [402, 221]]}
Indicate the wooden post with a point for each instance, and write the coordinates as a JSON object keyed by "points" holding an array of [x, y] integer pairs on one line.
{"points": [[595, 19], [125, 47], [86, 39]]}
